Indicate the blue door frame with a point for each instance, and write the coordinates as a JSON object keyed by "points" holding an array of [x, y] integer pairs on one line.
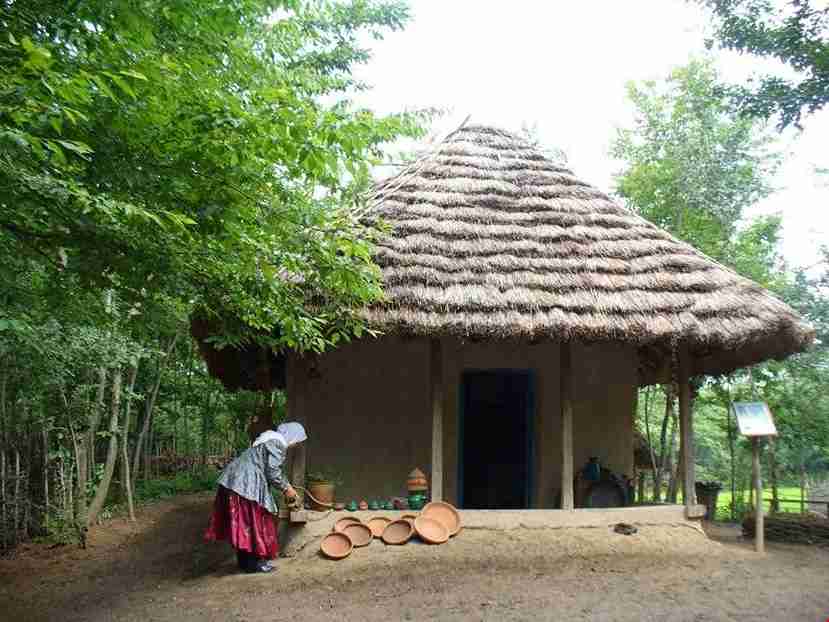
{"points": [[529, 414]]}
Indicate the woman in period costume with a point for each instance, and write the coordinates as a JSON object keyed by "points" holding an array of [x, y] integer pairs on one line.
{"points": [[244, 510]]}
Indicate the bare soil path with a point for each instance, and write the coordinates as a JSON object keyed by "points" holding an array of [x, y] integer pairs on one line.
{"points": [[160, 570]]}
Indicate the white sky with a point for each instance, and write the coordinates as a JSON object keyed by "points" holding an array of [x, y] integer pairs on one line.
{"points": [[562, 66]]}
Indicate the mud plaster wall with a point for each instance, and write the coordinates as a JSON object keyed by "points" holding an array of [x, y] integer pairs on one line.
{"points": [[368, 412]]}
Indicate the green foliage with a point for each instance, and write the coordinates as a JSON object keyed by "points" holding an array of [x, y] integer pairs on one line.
{"points": [[793, 32], [694, 167], [159, 159], [689, 165], [205, 150], [186, 482]]}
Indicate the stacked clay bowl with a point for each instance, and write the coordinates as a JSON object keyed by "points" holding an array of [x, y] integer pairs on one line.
{"points": [[359, 534], [438, 522], [341, 524], [444, 513], [348, 534], [377, 525], [398, 532], [336, 546], [431, 530]]}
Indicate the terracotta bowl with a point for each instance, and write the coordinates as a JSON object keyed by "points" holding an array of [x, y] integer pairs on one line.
{"points": [[431, 530], [345, 522], [377, 525], [445, 513], [359, 534], [398, 532], [336, 546], [409, 517]]}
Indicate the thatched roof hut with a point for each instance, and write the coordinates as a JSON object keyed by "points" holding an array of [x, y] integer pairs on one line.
{"points": [[492, 240], [523, 309]]}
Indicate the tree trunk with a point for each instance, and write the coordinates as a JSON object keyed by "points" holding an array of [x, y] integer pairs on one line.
{"points": [[3, 501], [126, 480], [149, 405], [664, 454], [203, 449], [17, 478], [673, 472], [95, 420], [803, 487], [731, 448], [775, 497], [112, 452], [45, 479], [80, 509]]}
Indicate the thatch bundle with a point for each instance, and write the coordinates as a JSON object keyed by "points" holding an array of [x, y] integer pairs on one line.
{"points": [[250, 367], [791, 528], [492, 240]]}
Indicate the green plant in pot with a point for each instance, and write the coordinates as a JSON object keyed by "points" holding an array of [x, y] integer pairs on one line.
{"points": [[322, 487]]}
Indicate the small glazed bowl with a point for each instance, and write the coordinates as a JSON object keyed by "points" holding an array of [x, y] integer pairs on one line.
{"points": [[398, 532], [341, 524], [359, 534], [336, 546], [339, 507], [430, 530], [377, 524]]}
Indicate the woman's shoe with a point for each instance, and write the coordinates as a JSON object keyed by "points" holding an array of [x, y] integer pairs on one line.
{"points": [[264, 566]]}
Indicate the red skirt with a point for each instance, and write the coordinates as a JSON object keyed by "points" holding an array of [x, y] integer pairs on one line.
{"points": [[244, 523]]}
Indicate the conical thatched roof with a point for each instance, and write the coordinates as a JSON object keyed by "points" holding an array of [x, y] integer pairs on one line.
{"points": [[492, 240]]}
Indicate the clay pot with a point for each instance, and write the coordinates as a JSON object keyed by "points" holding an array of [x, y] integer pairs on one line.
{"points": [[398, 532], [363, 505], [377, 525], [430, 530], [444, 513], [417, 501], [409, 517], [336, 546], [352, 506], [339, 507], [416, 481], [374, 505], [359, 534], [323, 492], [341, 524]]}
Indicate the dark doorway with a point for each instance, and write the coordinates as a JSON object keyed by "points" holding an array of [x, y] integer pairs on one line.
{"points": [[496, 439]]}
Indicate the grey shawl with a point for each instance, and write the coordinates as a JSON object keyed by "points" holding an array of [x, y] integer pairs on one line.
{"points": [[250, 474]]}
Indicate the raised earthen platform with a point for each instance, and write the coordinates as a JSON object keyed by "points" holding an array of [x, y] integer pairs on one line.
{"points": [[295, 537]]}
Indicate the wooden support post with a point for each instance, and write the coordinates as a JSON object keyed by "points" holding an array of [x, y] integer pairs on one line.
{"points": [[436, 389], [566, 390], [759, 533], [686, 428]]}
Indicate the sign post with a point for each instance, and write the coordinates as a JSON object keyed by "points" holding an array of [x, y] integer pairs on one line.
{"points": [[755, 421]]}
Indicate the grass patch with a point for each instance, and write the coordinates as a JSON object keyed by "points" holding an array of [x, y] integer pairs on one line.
{"points": [[784, 492], [186, 482]]}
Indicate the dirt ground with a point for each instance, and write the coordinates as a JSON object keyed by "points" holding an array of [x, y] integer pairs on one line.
{"points": [[161, 570]]}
